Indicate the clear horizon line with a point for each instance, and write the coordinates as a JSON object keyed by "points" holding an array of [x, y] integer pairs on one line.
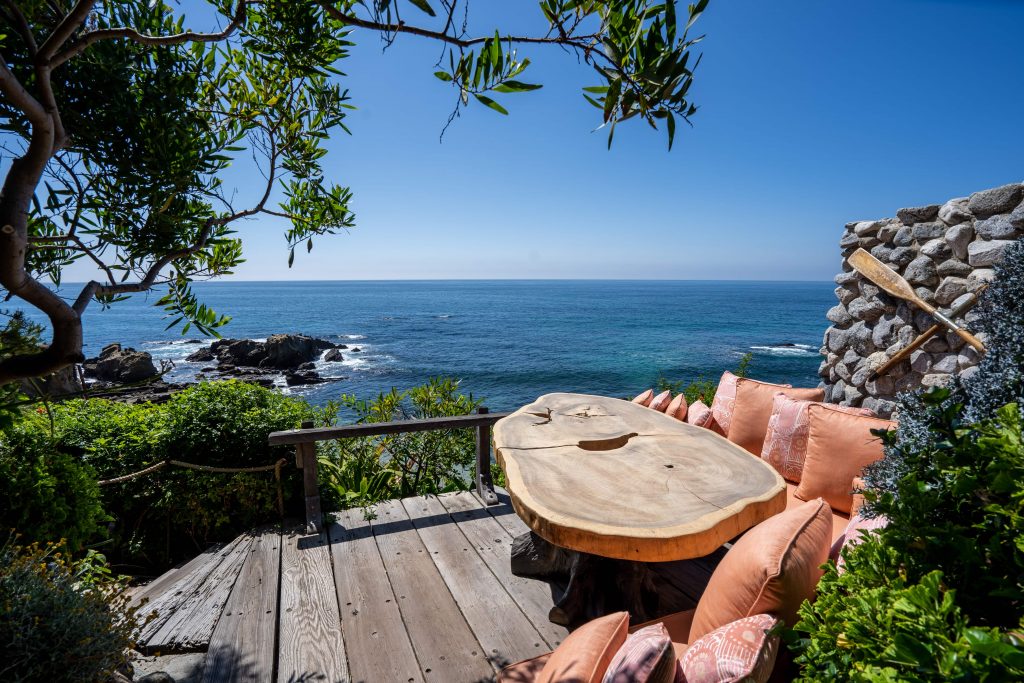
{"points": [[498, 279]]}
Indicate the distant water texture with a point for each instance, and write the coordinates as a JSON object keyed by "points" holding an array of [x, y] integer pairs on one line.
{"points": [[507, 341]]}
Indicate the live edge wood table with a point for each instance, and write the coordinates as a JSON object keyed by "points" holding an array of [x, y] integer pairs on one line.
{"points": [[608, 486]]}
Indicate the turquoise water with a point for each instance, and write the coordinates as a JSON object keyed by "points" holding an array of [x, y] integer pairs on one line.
{"points": [[508, 341]]}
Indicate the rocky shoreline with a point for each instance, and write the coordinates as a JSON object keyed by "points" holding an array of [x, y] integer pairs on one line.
{"points": [[126, 374]]}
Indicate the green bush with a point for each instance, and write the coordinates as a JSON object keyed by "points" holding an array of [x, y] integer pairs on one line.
{"points": [[61, 620], [366, 470], [701, 389], [169, 514], [46, 494]]}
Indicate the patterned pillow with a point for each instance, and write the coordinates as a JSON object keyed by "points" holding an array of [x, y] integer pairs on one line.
{"points": [[785, 443], [647, 656], [661, 401], [739, 651], [700, 415], [644, 398], [677, 408], [725, 400], [852, 536]]}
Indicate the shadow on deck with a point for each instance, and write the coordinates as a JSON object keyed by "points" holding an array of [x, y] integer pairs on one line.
{"points": [[421, 592]]}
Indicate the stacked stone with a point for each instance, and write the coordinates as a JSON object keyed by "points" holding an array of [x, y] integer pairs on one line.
{"points": [[946, 252]]}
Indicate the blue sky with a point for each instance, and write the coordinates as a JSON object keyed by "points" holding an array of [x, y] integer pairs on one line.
{"points": [[812, 114]]}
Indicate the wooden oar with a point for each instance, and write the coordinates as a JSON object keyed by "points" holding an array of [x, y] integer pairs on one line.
{"points": [[891, 281], [928, 334]]}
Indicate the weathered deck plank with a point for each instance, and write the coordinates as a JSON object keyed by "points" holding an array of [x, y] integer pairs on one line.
{"points": [[189, 627], [311, 646], [446, 647], [505, 515], [505, 633], [494, 546], [243, 646], [375, 636], [159, 585]]}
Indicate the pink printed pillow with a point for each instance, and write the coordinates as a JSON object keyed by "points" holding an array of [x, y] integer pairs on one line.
{"points": [[785, 443], [853, 535], [699, 415], [677, 408], [724, 401], [739, 651], [647, 656], [644, 399], [661, 401]]}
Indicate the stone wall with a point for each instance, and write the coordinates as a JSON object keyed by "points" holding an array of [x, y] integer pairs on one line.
{"points": [[945, 251]]}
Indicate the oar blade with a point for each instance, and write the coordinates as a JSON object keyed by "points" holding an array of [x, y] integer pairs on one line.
{"points": [[882, 275]]}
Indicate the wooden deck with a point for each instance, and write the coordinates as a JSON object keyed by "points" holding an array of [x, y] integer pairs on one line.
{"points": [[421, 592]]}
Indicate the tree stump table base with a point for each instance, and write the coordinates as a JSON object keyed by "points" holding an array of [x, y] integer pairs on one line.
{"points": [[599, 585]]}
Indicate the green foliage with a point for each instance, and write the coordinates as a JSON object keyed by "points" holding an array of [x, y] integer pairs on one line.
{"points": [[874, 623], [18, 336], [46, 494], [169, 514], [365, 470], [61, 620], [701, 389]]}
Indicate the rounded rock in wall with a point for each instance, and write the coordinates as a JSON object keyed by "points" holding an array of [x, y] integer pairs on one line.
{"points": [[880, 386], [843, 372], [950, 289], [847, 277], [928, 231], [887, 232], [906, 335], [904, 237], [980, 275], [937, 249], [846, 294], [996, 200], [954, 342], [945, 363], [921, 361], [918, 214], [860, 376], [881, 252], [996, 228], [852, 396], [866, 309], [851, 357], [901, 257], [885, 329], [981, 253], [926, 294], [934, 380], [849, 240], [958, 237], [969, 372], [954, 267], [921, 271], [954, 211], [862, 228], [909, 382], [936, 344], [839, 316]]}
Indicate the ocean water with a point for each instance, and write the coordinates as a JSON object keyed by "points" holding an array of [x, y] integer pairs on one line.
{"points": [[507, 341]]}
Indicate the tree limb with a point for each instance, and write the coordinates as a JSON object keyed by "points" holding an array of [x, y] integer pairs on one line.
{"points": [[21, 98], [65, 29], [21, 23], [90, 37]]}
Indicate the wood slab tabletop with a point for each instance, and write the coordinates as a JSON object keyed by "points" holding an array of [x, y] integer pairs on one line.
{"points": [[609, 477]]}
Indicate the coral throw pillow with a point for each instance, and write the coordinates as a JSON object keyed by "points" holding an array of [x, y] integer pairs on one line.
{"points": [[647, 656], [725, 398], [839, 447], [771, 569], [785, 442], [739, 651], [677, 408], [584, 656], [853, 535], [644, 399], [753, 408], [661, 401]]}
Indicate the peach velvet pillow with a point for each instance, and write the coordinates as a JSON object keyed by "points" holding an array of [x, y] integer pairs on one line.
{"points": [[677, 408], [661, 401], [739, 651], [725, 398], [644, 399], [584, 656], [771, 569], [839, 446], [785, 443], [647, 656], [754, 407]]}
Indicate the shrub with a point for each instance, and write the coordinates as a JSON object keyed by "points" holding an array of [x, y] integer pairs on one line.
{"points": [[701, 389], [169, 514], [46, 494], [365, 470], [938, 594], [60, 620]]}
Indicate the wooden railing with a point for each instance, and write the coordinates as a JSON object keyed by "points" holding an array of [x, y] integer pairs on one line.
{"points": [[305, 439]]}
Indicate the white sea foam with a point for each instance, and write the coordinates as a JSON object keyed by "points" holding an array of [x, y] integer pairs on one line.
{"points": [[787, 350]]}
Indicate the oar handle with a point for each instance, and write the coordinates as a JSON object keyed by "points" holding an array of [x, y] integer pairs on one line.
{"points": [[963, 334]]}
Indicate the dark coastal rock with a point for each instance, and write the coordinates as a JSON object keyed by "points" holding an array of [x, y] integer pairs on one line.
{"points": [[201, 356], [64, 382], [152, 392], [290, 350], [117, 364], [308, 366], [355, 349], [302, 377], [334, 356]]}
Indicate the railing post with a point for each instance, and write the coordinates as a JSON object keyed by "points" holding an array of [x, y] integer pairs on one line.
{"points": [[484, 485], [305, 453]]}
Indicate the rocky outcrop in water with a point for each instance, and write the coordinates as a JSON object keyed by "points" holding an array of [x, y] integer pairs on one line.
{"points": [[120, 365], [257, 361]]}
